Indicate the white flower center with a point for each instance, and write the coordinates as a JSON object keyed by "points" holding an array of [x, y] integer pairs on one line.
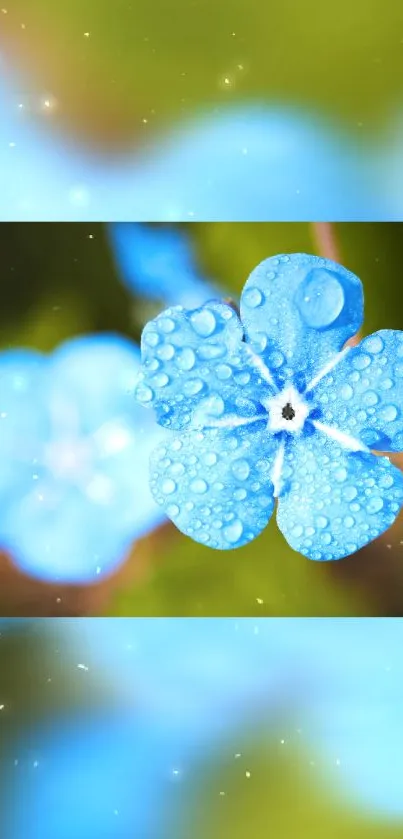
{"points": [[287, 411]]}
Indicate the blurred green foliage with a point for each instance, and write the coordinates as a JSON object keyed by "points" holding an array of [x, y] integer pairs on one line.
{"points": [[60, 279], [127, 67]]}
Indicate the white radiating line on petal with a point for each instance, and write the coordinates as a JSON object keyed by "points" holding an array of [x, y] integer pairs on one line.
{"points": [[345, 440], [277, 470], [232, 421], [327, 368], [259, 365]]}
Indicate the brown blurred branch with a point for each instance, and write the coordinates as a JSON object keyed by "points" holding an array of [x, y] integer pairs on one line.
{"points": [[324, 235]]}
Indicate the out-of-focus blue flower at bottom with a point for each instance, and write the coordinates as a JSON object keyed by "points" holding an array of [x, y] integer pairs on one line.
{"points": [[343, 679], [74, 453], [158, 263], [104, 777]]}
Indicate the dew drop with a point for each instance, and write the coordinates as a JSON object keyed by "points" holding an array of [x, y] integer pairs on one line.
{"points": [[346, 391], [151, 338], [252, 297], [168, 486], [388, 413], [166, 324], [241, 469], [192, 387], [173, 510], [210, 458], [144, 393], [375, 504], [186, 359], [340, 474], [223, 372], [160, 380], [349, 493], [373, 344], [370, 398], [199, 486], [297, 530], [233, 532], [361, 361], [349, 521], [320, 298], [203, 322], [166, 352], [322, 522]]}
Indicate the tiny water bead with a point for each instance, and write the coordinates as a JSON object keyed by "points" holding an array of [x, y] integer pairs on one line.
{"points": [[270, 404]]}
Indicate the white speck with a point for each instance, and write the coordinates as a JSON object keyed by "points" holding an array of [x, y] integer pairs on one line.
{"points": [[238, 754], [82, 667], [86, 34], [338, 762], [222, 793], [259, 600], [282, 742], [247, 773], [35, 764], [1, 707], [11, 145]]}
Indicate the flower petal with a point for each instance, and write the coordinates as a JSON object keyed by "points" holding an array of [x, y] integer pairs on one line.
{"points": [[23, 419], [363, 395], [335, 501], [189, 356], [299, 310], [216, 485]]}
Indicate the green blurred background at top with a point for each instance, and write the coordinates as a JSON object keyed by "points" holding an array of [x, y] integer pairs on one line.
{"points": [[122, 70]]}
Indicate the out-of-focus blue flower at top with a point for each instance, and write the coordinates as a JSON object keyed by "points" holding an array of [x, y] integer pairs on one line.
{"points": [[248, 162], [158, 263], [73, 458], [272, 405]]}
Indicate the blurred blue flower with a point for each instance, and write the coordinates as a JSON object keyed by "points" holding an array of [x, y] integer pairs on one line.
{"points": [[275, 408], [337, 681], [98, 776], [158, 263], [74, 453], [248, 162]]}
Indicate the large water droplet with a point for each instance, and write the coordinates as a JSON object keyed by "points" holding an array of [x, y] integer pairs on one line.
{"points": [[186, 359], [373, 344], [346, 391], [144, 393], [151, 338], [233, 532], [375, 504], [166, 324], [199, 486], [192, 387], [388, 413], [241, 469], [252, 297], [203, 322], [168, 486], [320, 298]]}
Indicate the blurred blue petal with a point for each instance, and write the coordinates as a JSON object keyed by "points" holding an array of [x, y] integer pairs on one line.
{"points": [[248, 162], [96, 777], [74, 455], [158, 263], [201, 679]]}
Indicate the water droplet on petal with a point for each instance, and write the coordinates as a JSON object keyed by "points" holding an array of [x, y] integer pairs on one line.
{"points": [[373, 344], [168, 486], [340, 474], [199, 486], [252, 297], [375, 504], [346, 391], [192, 387], [241, 469], [144, 393], [320, 298], [388, 413], [322, 522], [233, 532], [151, 338], [203, 322], [186, 359]]}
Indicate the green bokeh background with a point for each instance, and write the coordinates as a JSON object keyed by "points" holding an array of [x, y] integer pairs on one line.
{"points": [[60, 279], [121, 71]]}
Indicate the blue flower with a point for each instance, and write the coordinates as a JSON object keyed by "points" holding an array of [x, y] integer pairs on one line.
{"points": [[273, 405], [92, 776], [73, 458], [158, 263]]}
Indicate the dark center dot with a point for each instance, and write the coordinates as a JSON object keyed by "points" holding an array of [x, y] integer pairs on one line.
{"points": [[288, 412]]}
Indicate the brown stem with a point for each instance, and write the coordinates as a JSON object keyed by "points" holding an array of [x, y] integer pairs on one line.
{"points": [[325, 239]]}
